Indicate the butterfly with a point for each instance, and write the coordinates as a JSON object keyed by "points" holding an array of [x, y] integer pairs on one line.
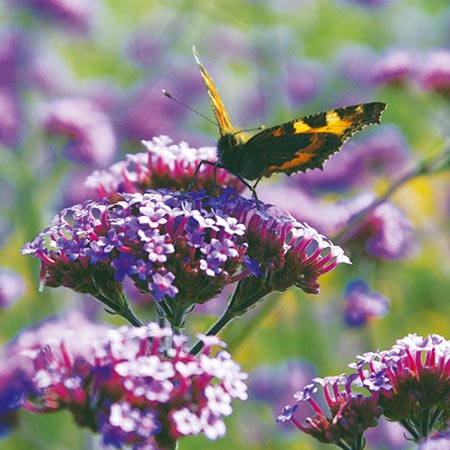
{"points": [[294, 146]]}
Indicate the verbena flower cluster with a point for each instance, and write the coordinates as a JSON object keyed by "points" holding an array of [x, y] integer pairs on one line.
{"points": [[408, 384], [164, 165], [124, 383], [181, 249], [413, 380]]}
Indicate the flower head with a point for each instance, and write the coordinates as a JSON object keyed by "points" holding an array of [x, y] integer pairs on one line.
{"points": [[282, 252], [164, 165], [126, 385], [413, 381], [168, 245], [181, 249], [394, 67], [350, 413]]}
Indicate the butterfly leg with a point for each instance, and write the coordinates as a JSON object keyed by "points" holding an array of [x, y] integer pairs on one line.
{"points": [[252, 189], [200, 164]]}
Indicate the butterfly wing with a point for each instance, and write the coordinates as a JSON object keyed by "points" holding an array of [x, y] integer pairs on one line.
{"points": [[304, 143], [216, 102]]}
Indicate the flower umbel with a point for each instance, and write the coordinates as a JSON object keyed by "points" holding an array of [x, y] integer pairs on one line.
{"points": [[164, 165], [126, 385], [170, 249], [181, 249], [288, 253], [351, 413], [413, 380]]}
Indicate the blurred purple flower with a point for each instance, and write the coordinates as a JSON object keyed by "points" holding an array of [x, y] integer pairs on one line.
{"points": [[385, 233], [12, 287], [434, 72], [74, 14], [362, 304], [304, 81], [87, 129], [123, 383], [394, 67]]}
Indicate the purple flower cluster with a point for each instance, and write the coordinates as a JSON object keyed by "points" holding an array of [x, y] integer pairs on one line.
{"points": [[184, 247], [123, 383], [164, 165], [75, 14], [12, 287], [427, 70], [169, 247], [363, 304], [408, 384], [413, 380], [350, 413], [384, 233], [289, 253], [87, 129]]}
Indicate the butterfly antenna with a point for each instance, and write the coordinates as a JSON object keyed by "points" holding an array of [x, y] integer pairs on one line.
{"points": [[181, 102]]}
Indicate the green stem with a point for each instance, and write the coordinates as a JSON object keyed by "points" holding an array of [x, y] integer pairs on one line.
{"points": [[121, 308], [220, 324], [128, 314]]}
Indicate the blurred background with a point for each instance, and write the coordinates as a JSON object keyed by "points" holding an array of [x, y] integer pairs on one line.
{"points": [[80, 86]]}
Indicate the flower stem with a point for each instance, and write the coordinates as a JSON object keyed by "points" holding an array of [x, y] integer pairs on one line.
{"points": [[220, 324], [121, 308]]}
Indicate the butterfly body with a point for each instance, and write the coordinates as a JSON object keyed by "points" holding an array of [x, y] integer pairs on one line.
{"points": [[294, 146]]}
